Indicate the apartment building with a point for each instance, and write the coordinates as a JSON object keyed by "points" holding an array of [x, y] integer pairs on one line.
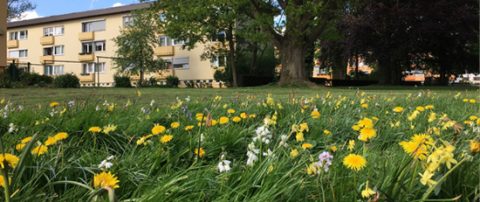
{"points": [[78, 42], [3, 34]]}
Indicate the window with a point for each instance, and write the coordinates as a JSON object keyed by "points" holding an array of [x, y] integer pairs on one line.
{"points": [[181, 62], [127, 20], [19, 35], [55, 50], [18, 53], [53, 70], [95, 46], [88, 68], [168, 41], [53, 31], [220, 61], [221, 36], [58, 50], [93, 26]]}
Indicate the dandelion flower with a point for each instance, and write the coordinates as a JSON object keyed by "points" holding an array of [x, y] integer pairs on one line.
{"points": [[199, 116], [236, 119], [223, 120], [355, 162], [54, 104], [175, 125], [109, 128], [61, 136], [299, 137], [94, 129], [231, 111], [26, 140], [475, 146], [243, 115], [189, 127], [158, 129], [307, 146], [351, 145], [200, 152], [333, 148], [315, 114], [364, 105], [40, 150], [398, 109], [20, 146], [367, 134], [50, 141], [327, 132], [105, 180], [10, 159], [294, 153], [166, 138], [367, 192]]}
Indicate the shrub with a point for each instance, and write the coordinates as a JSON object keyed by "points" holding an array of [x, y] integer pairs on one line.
{"points": [[122, 81], [34, 79], [172, 81], [66, 81], [152, 81]]}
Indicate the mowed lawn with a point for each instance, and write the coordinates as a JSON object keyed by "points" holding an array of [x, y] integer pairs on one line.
{"points": [[32, 96], [267, 143]]}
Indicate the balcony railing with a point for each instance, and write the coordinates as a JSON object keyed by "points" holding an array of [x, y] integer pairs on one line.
{"points": [[12, 44], [85, 57], [47, 40], [47, 59], [165, 51], [87, 78], [86, 36]]}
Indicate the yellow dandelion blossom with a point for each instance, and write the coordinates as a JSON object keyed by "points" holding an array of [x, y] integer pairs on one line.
{"points": [[315, 114], [200, 152], [40, 150], [333, 148], [351, 145], [304, 127], [327, 132], [355, 162], [189, 128], [20, 146], [175, 125], [8, 159], [166, 138], [364, 105], [94, 129], [200, 116], [26, 140], [420, 108], [252, 116], [109, 128], [158, 129], [61, 136], [474, 146], [54, 104], [231, 111], [223, 120], [294, 153], [365, 123], [367, 134], [105, 180], [236, 119], [50, 141], [299, 137], [398, 109], [367, 192], [2, 181], [243, 115], [307, 146]]}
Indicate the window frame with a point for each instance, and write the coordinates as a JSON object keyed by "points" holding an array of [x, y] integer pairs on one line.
{"points": [[93, 21]]}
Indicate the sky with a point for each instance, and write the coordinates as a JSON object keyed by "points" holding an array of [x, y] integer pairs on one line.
{"points": [[56, 7]]}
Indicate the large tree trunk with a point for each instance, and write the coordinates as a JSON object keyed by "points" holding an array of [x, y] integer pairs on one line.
{"points": [[232, 56], [384, 68], [140, 82], [293, 63], [339, 68]]}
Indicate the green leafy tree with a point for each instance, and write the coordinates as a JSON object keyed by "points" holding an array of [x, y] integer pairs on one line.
{"points": [[15, 8], [293, 27], [201, 21], [135, 52]]}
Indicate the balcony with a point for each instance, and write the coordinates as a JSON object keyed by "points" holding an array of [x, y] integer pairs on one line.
{"points": [[86, 36], [87, 78], [47, 40], [86, 57], [164, 51], [12, 44], [47, 59]]}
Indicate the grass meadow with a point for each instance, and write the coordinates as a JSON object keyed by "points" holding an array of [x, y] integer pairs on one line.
{"points": [[246, 144]]}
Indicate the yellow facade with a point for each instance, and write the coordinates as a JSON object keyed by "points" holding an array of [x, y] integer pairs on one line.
{"points": [[73, 57], [3, 34]]}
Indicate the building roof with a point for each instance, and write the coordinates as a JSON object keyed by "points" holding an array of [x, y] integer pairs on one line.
{"points": [[78, 15]]}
